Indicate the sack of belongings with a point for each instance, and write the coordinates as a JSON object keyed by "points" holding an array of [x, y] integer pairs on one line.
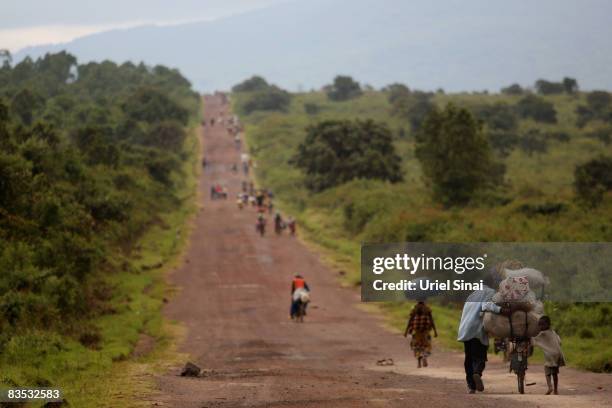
{"points": [[535, 278], [515, 292], [524, 324], [302, 295]]}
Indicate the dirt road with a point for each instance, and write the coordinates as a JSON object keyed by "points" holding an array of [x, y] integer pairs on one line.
{"points": [[234, 301]]}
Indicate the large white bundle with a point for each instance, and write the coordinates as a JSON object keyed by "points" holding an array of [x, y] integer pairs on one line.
{"points": [[536, 278], [300, 293], [499, 326]]}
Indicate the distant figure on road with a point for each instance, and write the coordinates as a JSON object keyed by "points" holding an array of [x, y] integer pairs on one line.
{"points": [[420, 324], [291, 225], [260, 199], [298, 285], [278, 223], [260, 226]]}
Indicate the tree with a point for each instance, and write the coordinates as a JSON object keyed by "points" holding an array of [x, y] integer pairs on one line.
{"points": [[592, 179], [455, 155], [537, 109], [270, 99], [599, 101], [545, 87], [598, 107], [5, 58], [25, 103], [255, 83], [397, 92], [413, 106], [514, 89], [167, 135], [570, 85], [337, 151], [343, 88], [151, 105], [499, 116]]}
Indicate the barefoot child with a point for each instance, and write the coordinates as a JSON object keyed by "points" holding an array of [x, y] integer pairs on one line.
{"points": [[550, 343], [419, 325]]}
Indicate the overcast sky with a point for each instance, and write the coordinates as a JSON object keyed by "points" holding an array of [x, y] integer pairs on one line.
{"points": [[33, 22]]}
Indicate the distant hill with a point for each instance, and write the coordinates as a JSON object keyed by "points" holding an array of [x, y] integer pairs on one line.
{"points": [[453, 44]]}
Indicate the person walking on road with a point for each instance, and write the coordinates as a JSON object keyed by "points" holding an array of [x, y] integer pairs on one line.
{"points": [[420, 324], [472, 333], [291, 225], [550, 343], [298, 284]]}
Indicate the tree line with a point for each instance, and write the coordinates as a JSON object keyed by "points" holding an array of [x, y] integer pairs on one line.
{"points": [[90, 154], [459, 148]]}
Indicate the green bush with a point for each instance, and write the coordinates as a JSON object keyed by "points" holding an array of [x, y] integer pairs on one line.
{"points": [[335, 152]]}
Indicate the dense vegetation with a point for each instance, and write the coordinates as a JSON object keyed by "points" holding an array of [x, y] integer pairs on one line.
{"points": [[343, 88], [91, 156], [555, 186], [335, 152], [259, 95]]}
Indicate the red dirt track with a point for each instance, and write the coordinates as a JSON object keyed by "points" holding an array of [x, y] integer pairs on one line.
{"points": [[234, 299]]}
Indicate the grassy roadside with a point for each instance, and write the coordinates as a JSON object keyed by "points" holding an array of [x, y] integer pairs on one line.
{"points": [[111, 373], [398, 212]]}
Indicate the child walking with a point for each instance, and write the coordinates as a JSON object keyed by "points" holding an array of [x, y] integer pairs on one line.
{"points": [[550, 343], [419, 325]]}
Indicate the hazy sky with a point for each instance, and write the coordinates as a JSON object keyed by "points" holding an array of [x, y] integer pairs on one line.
{"points": [[34, 22]]}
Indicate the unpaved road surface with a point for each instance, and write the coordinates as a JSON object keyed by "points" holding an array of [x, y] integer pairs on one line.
{"points": [[234, 301]]}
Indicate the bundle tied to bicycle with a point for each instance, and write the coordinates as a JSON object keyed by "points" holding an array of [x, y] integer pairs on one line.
{"points": [[517, 291]]}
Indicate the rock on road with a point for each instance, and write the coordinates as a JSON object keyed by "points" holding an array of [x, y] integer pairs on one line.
{"points": [[234, 302]]}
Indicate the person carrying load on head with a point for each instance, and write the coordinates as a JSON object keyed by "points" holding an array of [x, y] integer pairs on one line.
{"points": [[298, 286]]}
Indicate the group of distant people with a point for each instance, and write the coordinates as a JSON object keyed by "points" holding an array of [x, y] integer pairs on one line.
{"points": [[262, 200]]}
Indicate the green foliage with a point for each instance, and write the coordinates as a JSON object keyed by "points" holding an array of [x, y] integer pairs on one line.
{"points": [[567, 85], [409, 105], [311, 108], [533, 142], [545, 87], [258, 95], [270, 99], [498, 116], [343, 88], [449, 140], [25, 104], [537, 109], [151, 105], [335, 152], [87, 163], [570, 85], [593, 179], [537, 203], [598, 107], [255, 83], [514, 89]]}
